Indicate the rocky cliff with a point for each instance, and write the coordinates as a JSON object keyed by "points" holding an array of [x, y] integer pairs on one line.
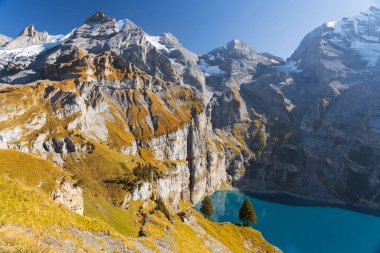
{"points": [[324, 139]]}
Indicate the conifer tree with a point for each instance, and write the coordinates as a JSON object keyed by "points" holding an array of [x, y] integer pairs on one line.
{"points": [[206, 207], [247, 213]]}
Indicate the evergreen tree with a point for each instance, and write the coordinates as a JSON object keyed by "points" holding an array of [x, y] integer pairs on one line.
{"points": [[247, 213], [206, 207]]}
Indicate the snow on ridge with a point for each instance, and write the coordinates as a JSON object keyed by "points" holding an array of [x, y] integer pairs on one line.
{"points": [[34, 50], [121, 24], [64, 37], [55, 38], [23, 51], [155, 41], [331, 24], [363, 40], [61, 37], [7, 55]]}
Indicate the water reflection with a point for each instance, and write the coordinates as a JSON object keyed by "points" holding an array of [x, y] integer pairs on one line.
{"points": [[304, 229]]}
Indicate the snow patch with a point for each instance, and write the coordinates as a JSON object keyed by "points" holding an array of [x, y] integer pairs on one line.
{"points": [[121, 24], [290, 67], [360, 34], [274, 61], [155, 41], [331, 24], [210, 70], [64, 37], [23, 52], [61, 37], [371, 38]]}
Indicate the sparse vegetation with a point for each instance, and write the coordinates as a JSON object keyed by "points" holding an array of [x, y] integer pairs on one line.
{"points": [[207, 208], [247, 213], [146, 172]]}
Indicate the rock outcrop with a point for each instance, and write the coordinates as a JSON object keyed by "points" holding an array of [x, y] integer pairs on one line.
{"points": [[29, 36], [69, 195]]}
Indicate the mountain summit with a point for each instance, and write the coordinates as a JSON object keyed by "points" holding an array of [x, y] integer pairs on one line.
{"points": [[97, 17]]}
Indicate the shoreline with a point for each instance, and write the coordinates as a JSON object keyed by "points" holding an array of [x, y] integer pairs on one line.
{"points": [[295, 200], [289, 199]]}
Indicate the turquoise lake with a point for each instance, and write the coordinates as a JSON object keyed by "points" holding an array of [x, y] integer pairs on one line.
{"points": [[304, 229]]}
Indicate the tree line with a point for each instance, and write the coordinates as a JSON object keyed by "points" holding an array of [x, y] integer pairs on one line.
{"points": [[246, 212]]}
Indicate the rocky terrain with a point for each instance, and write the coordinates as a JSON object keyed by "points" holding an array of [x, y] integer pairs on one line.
{"points": [[326, 147], [134, 117]]}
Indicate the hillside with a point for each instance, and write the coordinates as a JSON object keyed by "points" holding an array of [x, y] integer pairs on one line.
{"points": [[33, 222]]}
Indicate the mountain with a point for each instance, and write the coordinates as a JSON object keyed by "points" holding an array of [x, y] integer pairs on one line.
{"points": [[126, 115], [144, 128], [328, 143]]}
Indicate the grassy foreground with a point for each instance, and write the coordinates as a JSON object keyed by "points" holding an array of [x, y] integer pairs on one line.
{"points": [[30, 221]]}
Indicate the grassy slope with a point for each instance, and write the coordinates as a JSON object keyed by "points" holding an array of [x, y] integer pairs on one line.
{"points": [[195, 235], [26, 204], [28, 215], [30, 209]]}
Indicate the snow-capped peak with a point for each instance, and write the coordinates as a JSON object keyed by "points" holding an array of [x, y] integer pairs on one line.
{"points": [[121, 24], [331, 24], [61, 37], [361, 33]]}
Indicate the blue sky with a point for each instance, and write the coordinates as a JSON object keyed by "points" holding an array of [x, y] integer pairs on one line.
{"points": [[275, 26]]}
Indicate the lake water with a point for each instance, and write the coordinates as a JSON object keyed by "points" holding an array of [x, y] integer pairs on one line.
{"points": [[304, 229]]}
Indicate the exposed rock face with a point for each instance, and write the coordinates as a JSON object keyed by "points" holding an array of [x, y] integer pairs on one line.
{"points": [[198, 169], [143, 192], [233, 63], [28, 37], [69, 195], [231, 116], [97, 17], [331, 147]]}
